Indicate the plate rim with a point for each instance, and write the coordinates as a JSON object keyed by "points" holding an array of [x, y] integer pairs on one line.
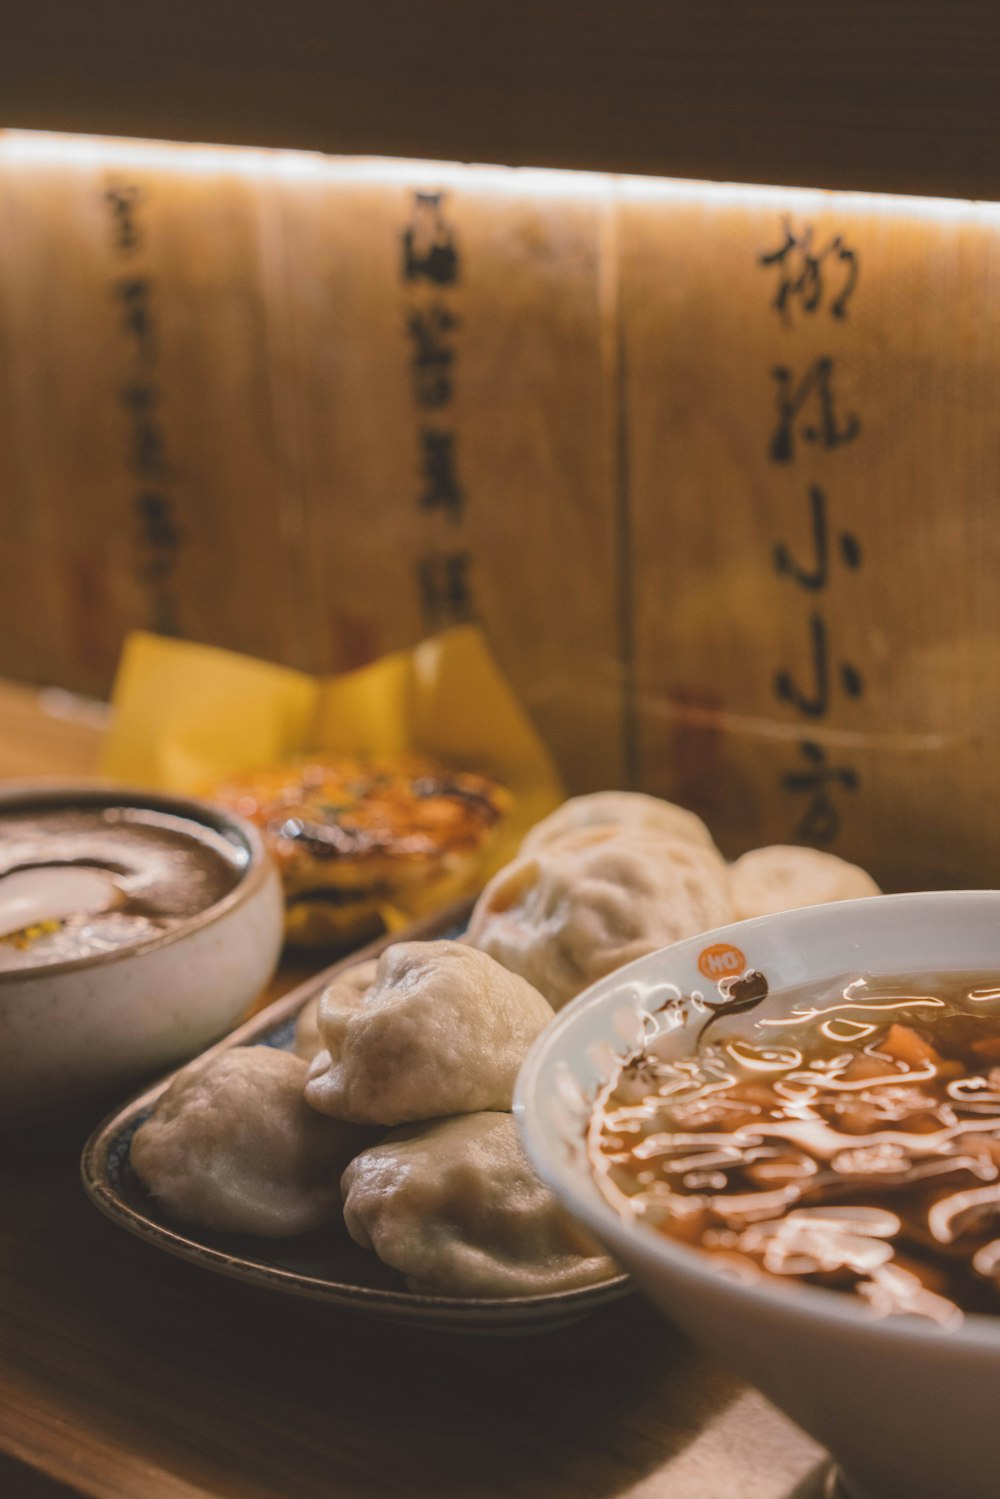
{"points": [[400, 1305]]}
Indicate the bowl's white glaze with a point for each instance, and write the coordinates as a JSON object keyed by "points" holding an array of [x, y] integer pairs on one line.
{"points": [[73, 1031], [908, 1409]]}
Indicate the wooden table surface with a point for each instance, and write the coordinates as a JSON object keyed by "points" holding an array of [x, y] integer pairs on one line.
{"points": [[126, 1373]]}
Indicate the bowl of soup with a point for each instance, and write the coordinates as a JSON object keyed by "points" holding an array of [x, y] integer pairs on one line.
{"points": [[134, 929], [788, 1132]]}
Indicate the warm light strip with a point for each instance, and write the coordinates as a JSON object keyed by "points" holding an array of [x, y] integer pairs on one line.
{"points": [[98, 151], [19, 146], [732, 194]]}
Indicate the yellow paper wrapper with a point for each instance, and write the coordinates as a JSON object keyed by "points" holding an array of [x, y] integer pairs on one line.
{"points": [[186, 716]]}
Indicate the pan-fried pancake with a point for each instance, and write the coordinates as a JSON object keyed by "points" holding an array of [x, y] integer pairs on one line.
{"points": [[355, 838]]}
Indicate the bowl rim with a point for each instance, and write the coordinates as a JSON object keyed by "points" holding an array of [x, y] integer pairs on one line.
{"points": [[812, 1303], [100, 793]]}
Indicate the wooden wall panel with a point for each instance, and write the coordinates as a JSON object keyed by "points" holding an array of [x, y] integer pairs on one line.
{"points": [[817, 642], [61, 428], [446, 338], [29, 600], [344, 404], [715, 467], [139, 410], [236, 487], [534, 429]]}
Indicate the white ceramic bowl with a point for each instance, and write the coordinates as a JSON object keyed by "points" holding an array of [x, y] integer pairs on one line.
{"points": [[909, 1410], [76, 1030]]}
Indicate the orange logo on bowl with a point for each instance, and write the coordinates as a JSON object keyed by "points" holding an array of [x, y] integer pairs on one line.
{"points": [[721, 961]]}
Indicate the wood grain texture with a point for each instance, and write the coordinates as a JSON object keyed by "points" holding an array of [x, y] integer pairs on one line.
{"points": [[341, 370], [146, 485], [900, 593], [535, 418], [896, 97], [238, 515], [60, 432]]}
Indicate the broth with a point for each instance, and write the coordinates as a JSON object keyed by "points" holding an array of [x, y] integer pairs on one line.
{"points": [[852, 1142]]}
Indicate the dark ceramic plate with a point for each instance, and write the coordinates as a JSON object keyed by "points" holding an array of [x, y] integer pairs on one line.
{"points": [[325, 1266]]}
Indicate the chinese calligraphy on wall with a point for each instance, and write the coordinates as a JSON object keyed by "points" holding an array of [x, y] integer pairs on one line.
{"points": [[154, 531], [431, 272], [815, 281]]}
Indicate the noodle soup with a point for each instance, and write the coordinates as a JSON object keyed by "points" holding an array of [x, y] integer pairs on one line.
{"points": [[852, 1142]]}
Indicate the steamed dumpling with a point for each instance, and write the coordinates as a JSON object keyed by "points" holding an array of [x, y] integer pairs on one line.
{"points": [[456, 1208], [350, 987], [443, 1030], [782, 877], [584, 905], [626, 809], [232, 1146]]}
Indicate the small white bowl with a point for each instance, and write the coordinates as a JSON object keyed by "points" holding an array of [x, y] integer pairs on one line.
{"points": [[908, 1409], [74, 1031]]}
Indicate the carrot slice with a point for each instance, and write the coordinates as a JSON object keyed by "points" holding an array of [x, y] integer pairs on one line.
{"points": [[907, 1046]]}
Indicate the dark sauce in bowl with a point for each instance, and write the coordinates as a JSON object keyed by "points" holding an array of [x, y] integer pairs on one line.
{"points": [[161, 869], [851, 1142]]}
